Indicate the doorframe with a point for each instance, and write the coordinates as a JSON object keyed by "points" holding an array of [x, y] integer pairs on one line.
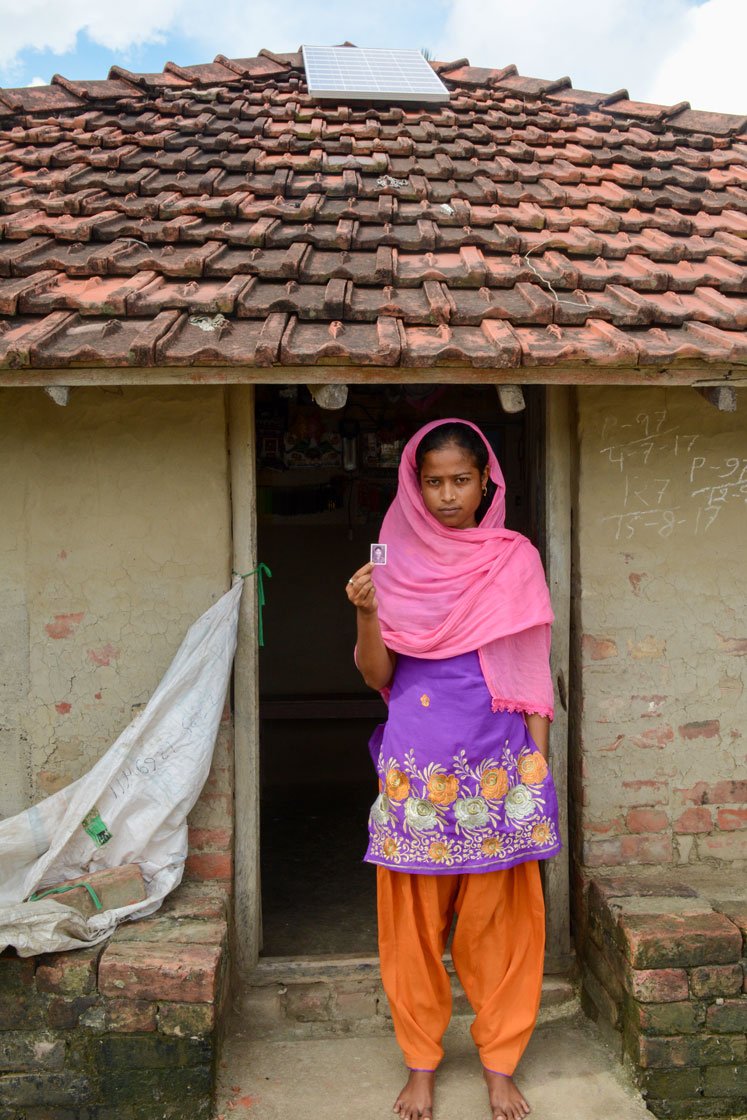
{"points": [[557, 533], [558, 497], [247, 900]]}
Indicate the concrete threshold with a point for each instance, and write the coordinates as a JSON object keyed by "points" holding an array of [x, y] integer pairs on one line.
{"points": [[325, 997], [566, 1071]]}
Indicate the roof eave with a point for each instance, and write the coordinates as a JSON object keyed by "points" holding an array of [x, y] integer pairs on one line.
{"points": [[690, 373]]}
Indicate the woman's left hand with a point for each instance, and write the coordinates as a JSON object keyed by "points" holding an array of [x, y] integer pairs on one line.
{"points": [[539, 729]]}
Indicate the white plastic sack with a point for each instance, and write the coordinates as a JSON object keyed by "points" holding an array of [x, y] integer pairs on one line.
{"points": [[142, 790]]}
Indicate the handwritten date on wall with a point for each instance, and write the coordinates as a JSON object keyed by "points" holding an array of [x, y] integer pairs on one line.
{"points": [[657, 460]]}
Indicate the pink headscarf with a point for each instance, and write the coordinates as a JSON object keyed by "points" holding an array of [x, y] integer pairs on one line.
{"points": [[448, 591]]}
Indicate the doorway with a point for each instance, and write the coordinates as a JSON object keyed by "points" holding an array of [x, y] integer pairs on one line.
{"points": [[324, 481]]}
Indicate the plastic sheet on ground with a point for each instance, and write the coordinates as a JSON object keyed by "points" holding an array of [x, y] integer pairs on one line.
{"points": [[134, 801]]}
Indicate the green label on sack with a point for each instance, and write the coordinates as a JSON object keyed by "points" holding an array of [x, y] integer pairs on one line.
{"points": [[95, 827]]}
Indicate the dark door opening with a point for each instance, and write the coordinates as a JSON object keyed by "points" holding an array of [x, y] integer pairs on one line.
{"points": [[324, 481]]}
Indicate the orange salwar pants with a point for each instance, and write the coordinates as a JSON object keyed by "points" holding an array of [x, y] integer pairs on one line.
{"points": [[497, 949]]}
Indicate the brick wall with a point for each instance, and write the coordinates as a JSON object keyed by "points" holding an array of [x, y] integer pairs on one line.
{"points": [[127, 1030], [130, 1029], [659, 774], [665, 972], [210, 823]]}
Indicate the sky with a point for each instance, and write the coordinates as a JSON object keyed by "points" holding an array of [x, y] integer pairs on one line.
{"points": [[663, 51]]}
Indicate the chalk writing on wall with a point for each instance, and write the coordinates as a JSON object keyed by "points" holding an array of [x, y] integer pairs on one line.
{"points": [[656, 460]]}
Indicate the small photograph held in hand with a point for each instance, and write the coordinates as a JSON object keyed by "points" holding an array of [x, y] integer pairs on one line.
{"points": [[378, 554]]}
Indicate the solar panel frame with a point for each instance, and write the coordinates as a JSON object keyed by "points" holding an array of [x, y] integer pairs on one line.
{"points": [[371, 74]]}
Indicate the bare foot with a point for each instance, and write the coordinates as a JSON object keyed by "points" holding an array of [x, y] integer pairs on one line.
{"points": [[415, 1102], [506, 1102]]}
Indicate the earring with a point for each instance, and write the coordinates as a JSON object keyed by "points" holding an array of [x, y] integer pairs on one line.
{"points": [[484, 491]]}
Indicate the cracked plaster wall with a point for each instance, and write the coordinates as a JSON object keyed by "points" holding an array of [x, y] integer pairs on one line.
{"points": [[661, 725], [116, 535]]}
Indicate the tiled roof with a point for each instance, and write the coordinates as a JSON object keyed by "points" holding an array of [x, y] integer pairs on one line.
{"points": [[216, 216]]}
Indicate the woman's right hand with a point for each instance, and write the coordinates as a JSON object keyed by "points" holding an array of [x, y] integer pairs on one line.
{"points": [[361, 591]]}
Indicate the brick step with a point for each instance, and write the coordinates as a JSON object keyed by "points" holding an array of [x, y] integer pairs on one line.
{"points": [[324, 997]]}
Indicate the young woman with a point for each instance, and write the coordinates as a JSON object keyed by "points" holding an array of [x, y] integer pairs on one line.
{"points": [[455, 632]]}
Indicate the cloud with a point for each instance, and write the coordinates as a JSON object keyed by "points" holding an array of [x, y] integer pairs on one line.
{"points": [[234, 27], [707, 67], [661, 50], [667, 50], [53, 26]]}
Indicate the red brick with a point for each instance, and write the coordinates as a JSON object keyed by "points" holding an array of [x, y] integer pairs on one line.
{"points": [[115, 887], [209, 865], [646, 848], [681, 1017], [643, 848], [65, 1012], [726, 1081], [655, 737], [639, 884], [602, 853], [647, 820], [650, 647], [72, 973], [642, 792], [309, 1003], [609, 967], [130, 1015], [701, 729], [736, 912], [186, 1020], [729, 1015], [598, 649], [597, 1002], [717, 793], [166, 928], [729, 846], [671, 1084], [658, 985], [613, 826], [730, 819], [180, 973], [693, 820], [716, 980], [16, 972], [209, 839], [679, 1051], [198, 900], [679, 940]]}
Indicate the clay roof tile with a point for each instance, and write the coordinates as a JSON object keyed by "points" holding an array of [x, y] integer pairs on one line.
{"points": [[217, 215]]}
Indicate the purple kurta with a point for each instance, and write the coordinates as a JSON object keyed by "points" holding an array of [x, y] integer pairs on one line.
{"points": [[463, 788]]}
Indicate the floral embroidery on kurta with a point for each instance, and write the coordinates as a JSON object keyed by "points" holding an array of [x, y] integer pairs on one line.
{"points": [[467, 808]]}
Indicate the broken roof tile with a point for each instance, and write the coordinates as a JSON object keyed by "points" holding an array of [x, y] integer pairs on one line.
{"points": [[14, 291], [21, 335], [260, 298], [208, 339]]}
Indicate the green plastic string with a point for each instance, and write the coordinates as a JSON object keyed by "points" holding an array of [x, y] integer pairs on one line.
{"points": [[260, 571], [70, 887]]}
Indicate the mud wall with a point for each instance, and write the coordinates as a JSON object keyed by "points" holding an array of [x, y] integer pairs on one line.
{"points": [[115, 520], [659, 711]]}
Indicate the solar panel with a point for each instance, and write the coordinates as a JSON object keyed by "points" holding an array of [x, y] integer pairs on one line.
{"points": [[371, 74]]}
